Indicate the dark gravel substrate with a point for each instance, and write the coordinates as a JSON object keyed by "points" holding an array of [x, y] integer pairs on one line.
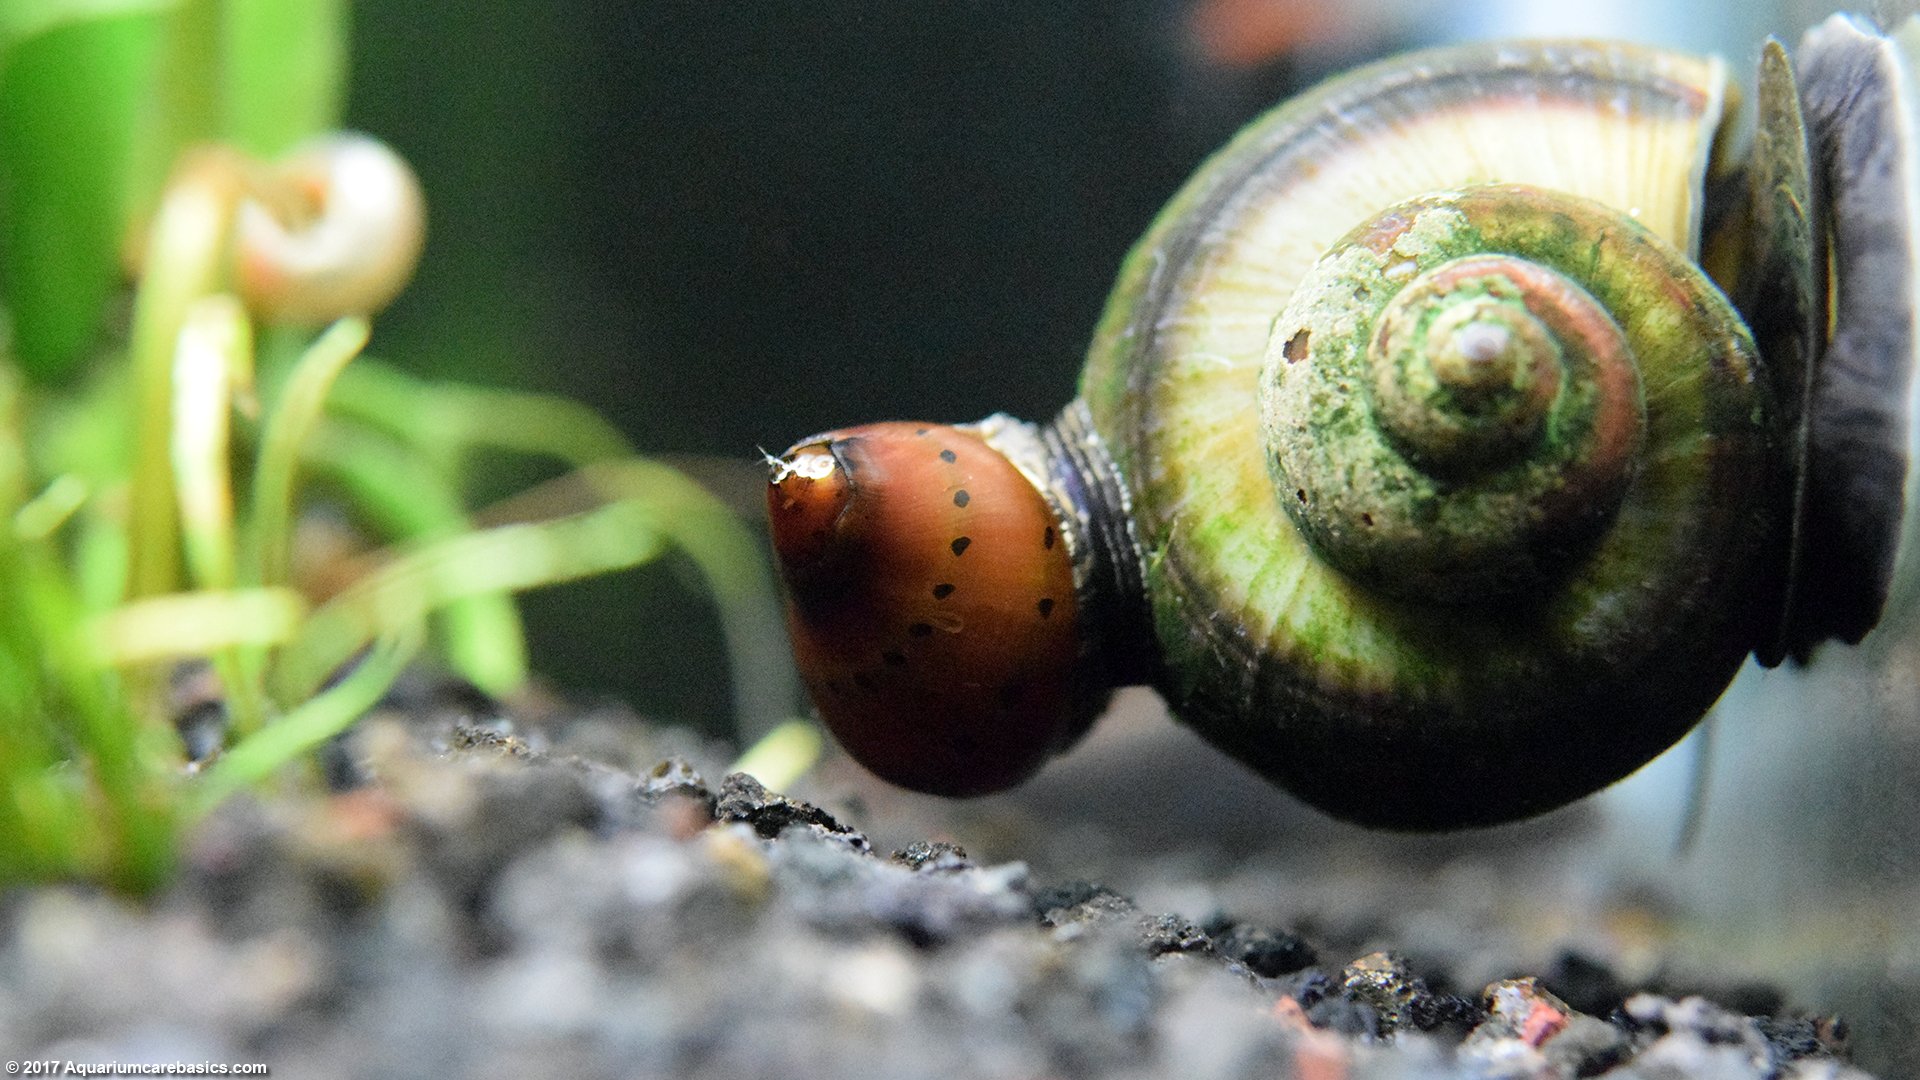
{"points": [[468, 904]]}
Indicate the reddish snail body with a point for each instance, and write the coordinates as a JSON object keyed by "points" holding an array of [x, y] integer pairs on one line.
{"points": [[1417, 461], [973, 628]]}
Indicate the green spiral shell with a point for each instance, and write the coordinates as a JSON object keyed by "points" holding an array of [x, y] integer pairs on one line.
{"points": [[1512, 632], [1453, 394]]}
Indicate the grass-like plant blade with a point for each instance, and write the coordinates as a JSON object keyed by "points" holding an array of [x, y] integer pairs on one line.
{"points": [[81, 796], [180, 626], [318, 719], [449, 420], [505, 558], [405, 499], [211, 364], [782, 755], [286, 430], [285, 71], [186, 247], [125, 815], [738, 575], [212, 370], [186, 85], [23, 20], [52, 508]]}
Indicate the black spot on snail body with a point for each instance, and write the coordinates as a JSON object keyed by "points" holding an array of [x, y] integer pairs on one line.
{"points": [[1417, 462]]}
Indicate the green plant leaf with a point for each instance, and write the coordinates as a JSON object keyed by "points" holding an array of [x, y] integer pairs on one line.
{"points": [[212, 366], [70, 105], [318, 719], [285, 431], [23, 20], [405, 498], [738, 576], [486, 562], [179, 626], [285, 71], [185, 260], [449, 420]]}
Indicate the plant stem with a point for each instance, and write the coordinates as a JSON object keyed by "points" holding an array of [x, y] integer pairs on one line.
{"points": [[185, 252]]}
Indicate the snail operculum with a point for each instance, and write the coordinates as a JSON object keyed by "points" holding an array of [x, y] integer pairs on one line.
{"points": [[1851, 306]]}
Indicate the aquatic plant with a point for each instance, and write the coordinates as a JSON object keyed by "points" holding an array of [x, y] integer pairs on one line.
{"points": [[154, 458]]}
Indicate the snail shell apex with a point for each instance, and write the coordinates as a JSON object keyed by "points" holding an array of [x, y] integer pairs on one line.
{"points": [[1454, 416]]}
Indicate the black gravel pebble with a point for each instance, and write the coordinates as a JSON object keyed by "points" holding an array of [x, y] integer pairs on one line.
{"points": [[1266, 953]]}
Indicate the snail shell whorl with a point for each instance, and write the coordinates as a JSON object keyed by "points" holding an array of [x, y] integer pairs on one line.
{"points": [[1377, 706], [1452, 416], [344, 234]]}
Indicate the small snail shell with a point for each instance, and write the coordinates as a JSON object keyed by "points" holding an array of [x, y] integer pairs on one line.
{"points": [[1416, 462], [334, 229]]}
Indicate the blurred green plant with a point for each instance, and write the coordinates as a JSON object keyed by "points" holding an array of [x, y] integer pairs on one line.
{"points": [[151, 473]]}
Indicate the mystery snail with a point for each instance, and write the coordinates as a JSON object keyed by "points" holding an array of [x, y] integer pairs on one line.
{"points": [[1421, 460]]}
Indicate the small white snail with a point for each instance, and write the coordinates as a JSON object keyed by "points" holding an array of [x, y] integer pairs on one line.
{"points": [[337, 231]]}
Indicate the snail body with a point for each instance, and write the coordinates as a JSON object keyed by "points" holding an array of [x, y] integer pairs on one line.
{"points": [[972, 631], [1416, 462]]}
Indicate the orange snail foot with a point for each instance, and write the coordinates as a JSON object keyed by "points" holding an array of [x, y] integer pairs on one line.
{"points": [[930, 602]]}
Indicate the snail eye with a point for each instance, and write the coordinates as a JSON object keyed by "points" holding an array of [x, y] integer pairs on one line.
{"points": [[931, 614]]}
